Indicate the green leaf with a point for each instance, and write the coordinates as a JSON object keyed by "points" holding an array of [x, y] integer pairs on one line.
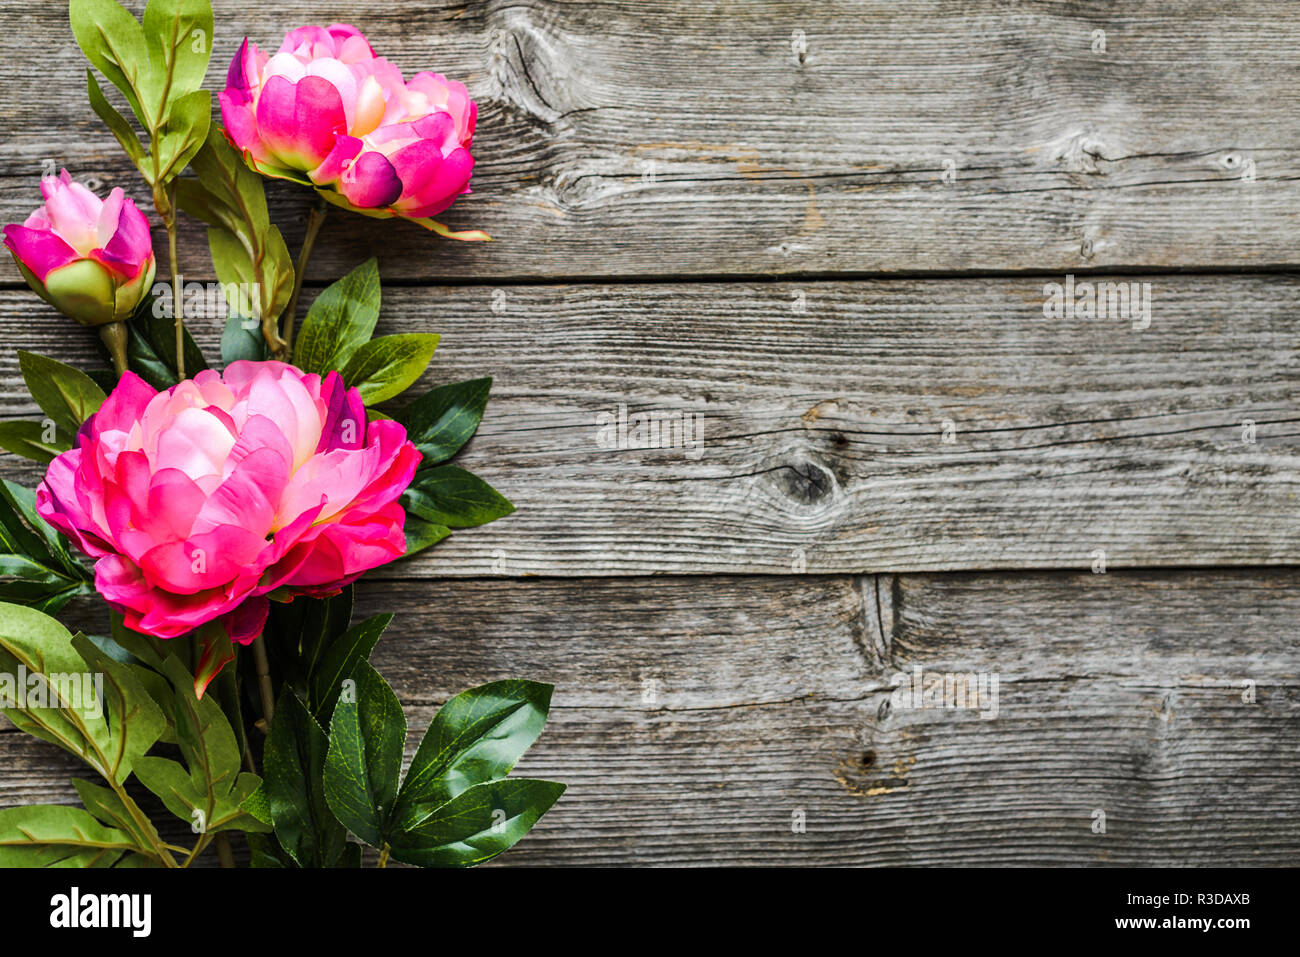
{"points": [[52, 835], [184, 133], [22, 502], [66, 395], [258, 805], [143, 360], [20, 566], [178, 34], [31, 440], [340, 659], [442, 420], [114, 42], [448, 495], [109, 735], [115, 121], [208, 791], [242, 339], [293, 766], [109, 809], [477, 736], [17, 525], [477, 824], [421, 534], [181, 792], [387, 366], [319, 623], [135, 721], [161, 332], [265, 851], [364, 761], [340, 321], [245, 247]]}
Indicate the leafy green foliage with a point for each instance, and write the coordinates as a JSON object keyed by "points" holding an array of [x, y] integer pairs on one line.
{"points": [[455, 807], [34, 440], [37, 567], [340, 321], [364, 761], [442, 420], [110, 808], [52, 835], [388, 366], [159, 67], [476, 737], [294, 767], [66, 395], [477, 824], [448, 495], [108, 735], [247, 251], [339, 660], [208, 790], [240, 339], [151, 350], [443, 497]]}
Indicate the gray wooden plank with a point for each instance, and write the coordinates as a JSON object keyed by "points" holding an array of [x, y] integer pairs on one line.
{"points": [[823, 431], [1120, 692], [626, 139]]}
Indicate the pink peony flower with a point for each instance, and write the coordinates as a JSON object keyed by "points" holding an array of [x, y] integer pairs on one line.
{"points": [[90, 258], [200, 501], [325, 111]]}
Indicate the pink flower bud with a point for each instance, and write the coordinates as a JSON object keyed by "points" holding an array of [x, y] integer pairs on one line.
{"points": [[90, 258]]}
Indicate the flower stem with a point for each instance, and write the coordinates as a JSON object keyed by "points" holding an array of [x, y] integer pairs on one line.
{"points": [[224, 854], [264, 680], [165, 202], [199, 847], [315, 219], [114, 337]]}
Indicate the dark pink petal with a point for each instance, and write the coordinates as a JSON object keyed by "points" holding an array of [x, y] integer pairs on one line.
{"points": [[371, 182], [247, 621], [237, 77], [130, 250], [345, 151], [205, 561], [125, 405], [41, 251], [451, 179], [345, 422], [300, 121]]}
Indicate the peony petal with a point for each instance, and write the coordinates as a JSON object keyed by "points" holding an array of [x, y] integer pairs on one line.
{"points": [[41, 251], [371, 182]]}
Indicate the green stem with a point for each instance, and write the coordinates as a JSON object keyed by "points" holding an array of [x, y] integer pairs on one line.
{"points": [[264, 680], [114, 337], [383, 856], [315, 219], [224, 854], [199, 847], [169, 220], [143, 825]]}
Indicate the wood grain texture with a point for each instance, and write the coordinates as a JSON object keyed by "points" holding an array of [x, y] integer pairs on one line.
{"points": [[824, 430], [694, 716], [784, 137]]}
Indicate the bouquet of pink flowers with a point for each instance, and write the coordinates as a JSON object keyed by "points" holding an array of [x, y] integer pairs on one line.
{"points": [[227, 511]]}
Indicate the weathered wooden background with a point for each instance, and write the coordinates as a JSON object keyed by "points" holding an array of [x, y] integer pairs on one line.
{"points": [[825, 227]]}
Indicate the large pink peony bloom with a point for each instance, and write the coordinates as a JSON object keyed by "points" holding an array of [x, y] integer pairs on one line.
{"points": [[90, 258], [200, 501], [327, 112]]}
